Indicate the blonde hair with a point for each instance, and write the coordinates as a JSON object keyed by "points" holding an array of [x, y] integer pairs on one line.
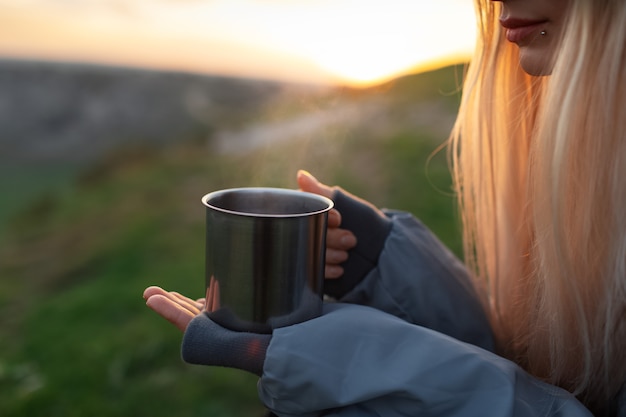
{"points": [[540, 170]]}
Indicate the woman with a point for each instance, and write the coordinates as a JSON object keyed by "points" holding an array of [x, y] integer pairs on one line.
{"points": [[531, 324]]}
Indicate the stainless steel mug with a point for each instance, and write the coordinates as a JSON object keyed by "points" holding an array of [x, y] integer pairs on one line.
{"points": [[265, 256]]}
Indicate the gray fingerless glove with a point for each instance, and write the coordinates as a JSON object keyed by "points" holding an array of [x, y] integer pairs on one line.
{"points": [[371, 227], [207, 343]]}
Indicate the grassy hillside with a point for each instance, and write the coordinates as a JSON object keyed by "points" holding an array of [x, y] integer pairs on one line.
{"points": [[77, 339]]}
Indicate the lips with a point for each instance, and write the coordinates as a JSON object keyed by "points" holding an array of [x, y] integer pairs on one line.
{"points": [[519, 29]]}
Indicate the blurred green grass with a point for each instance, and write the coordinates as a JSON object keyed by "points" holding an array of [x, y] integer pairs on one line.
{"points": [[76, 338]]}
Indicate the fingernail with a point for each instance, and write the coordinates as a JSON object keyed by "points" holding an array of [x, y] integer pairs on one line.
{"points": [[306, 173]]}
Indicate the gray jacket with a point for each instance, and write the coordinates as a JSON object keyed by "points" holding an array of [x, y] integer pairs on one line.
{"points": [[408, 337]]}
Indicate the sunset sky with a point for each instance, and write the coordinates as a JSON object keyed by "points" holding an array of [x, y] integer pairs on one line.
{"points": [[319, 41]]}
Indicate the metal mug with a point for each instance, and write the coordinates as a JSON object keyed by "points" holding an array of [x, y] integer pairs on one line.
{"points": [[265, 256]]}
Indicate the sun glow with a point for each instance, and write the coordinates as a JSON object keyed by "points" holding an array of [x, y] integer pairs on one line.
{"points": [[363, 42], [347, 41]]}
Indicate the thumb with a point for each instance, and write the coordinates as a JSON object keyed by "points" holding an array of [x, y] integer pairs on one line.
{"points": [[309, 183]]}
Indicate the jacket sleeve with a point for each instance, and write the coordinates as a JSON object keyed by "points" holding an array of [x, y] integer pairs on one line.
{"points": [[358, 361], [402, 268]]}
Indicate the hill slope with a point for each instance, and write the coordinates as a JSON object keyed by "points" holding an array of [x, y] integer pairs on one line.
{"points": [[78, 112]]}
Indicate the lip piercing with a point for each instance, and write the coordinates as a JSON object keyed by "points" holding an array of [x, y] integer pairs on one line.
{"points": [[543, 33]]}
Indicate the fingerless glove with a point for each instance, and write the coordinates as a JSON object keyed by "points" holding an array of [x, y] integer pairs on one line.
{"points": [[207, 343], [371, 227]]}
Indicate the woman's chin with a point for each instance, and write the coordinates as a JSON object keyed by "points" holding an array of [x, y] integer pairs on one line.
{"points": [[534, 62]]}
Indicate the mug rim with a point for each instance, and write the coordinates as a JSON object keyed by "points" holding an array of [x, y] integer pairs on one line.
{"points": [[329, 204]]}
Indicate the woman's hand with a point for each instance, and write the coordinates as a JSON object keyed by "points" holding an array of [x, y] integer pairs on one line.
{"points": [[338, 241], [206, 342], [172, 306]]}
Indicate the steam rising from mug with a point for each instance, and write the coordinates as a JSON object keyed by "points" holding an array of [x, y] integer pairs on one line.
{"points": [[265, 250]]}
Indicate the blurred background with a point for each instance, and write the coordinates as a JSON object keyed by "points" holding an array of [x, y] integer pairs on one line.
{"points": [[117, 116]]}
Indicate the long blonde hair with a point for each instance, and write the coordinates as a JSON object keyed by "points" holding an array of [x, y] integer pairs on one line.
{"points": [[540, 170]]}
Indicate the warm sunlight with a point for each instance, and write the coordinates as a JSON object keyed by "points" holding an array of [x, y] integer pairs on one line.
{"points": [[317, 41], [364, 42]]}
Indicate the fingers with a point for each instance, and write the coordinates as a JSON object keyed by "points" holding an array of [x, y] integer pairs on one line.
{"points": [[174, 307], [340, 239], [170, 310], [150, 291], [309, 183], [334, 258], [185, 302], [334, 218], [332, 271], [338, 243]]}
